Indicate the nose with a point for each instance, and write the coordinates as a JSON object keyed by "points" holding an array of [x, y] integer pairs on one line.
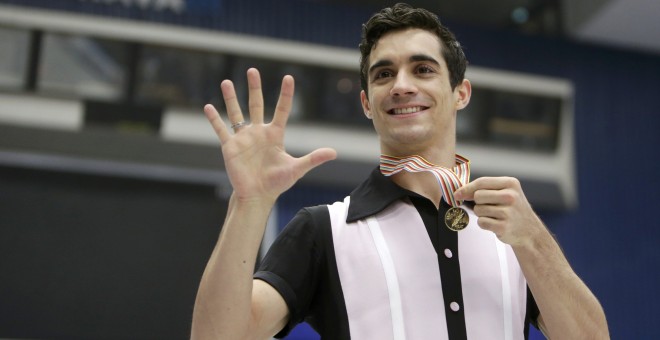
{"points": [[403, 85]]}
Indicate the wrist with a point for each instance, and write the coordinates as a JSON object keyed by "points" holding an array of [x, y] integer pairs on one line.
{"points": [[538, 240], [252, 202]]}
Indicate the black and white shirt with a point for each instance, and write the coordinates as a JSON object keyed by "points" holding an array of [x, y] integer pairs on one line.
{"points": [[382, 265]]}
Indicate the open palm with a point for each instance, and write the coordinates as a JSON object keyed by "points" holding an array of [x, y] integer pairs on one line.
{"points": [[255, 158]]}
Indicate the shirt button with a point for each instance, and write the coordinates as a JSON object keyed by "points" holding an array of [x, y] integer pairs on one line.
{"points": [[454, 306], [448, 253]]}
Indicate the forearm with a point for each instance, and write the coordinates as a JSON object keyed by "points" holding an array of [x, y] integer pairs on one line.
{"points": [[223, 304], [228, 304], [568, 308]]}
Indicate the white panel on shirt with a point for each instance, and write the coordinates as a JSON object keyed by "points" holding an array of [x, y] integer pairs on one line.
{"points": [[391, 279]]}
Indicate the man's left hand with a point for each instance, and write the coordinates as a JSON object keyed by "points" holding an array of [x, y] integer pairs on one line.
{"points": [[503, 209]]}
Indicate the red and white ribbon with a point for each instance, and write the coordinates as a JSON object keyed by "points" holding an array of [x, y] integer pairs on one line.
{"points": [[449, 180]]}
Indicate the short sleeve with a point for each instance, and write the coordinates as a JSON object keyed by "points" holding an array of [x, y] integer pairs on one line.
{"points": [[291, 265], [532, 314]]}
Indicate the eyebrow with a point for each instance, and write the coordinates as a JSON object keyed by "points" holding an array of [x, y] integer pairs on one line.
{"points": [[380, 63], [413, 58], [424, 57]]}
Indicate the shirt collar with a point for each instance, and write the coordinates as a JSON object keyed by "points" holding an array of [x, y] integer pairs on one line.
{"points": [[374, 195]]}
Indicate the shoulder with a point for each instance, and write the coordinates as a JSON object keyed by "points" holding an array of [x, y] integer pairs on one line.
{"points": [[310, 229], [321, 216], [309, 218], [316, 213]]}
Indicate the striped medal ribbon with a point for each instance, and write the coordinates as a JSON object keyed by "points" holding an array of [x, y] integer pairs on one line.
{"points": [[449, 180]]}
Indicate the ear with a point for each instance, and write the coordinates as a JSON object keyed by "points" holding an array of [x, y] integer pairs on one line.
{"points": [[366, 107], [462, 94]]}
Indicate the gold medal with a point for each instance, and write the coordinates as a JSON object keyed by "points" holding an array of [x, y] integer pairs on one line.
{"points": [[456, 218]]}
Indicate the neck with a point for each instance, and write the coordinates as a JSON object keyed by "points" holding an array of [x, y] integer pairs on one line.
{"points": [[423, 184]]}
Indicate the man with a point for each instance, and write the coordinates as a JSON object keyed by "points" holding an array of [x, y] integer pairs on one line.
{"points": [[364, 268]]}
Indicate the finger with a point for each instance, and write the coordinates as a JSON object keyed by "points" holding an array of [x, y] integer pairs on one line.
{"points": [[231, 102], [492, 211], [314, 159], [495, 197], [285, 102], [256, 97], [467, 191], [216, 122], [491, 224]]}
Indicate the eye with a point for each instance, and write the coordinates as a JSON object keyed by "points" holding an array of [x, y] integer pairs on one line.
{"points": [[383, 74], [425, 69]]}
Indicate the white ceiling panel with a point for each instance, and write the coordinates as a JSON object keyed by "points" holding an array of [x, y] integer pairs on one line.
{"points": [[630, 24]]}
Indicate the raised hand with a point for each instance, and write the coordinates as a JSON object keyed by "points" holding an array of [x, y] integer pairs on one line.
{"points": [[255, 159]]}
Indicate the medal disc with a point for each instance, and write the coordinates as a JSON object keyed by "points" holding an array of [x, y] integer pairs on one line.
{"points": [[456, 218]]}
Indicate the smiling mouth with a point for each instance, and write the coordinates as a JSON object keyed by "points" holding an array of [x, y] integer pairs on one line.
{"points": [[406, 110]]}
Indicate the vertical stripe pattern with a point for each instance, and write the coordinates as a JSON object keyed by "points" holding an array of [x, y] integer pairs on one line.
{"points": [[396, 309], [506, 291]]}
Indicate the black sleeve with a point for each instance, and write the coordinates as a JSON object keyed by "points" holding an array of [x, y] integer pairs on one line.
{"points": [[291, 266], [532, 314]]}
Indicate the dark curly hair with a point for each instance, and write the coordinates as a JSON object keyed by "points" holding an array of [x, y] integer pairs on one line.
{"points": [[402, 16]]}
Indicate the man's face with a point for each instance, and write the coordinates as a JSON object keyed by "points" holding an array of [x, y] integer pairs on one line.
{"points": [[410, 99]]}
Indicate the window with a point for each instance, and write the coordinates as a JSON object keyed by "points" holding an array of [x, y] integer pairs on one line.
{"points": [[14, 49], [511, 119], [178, 77], [341, 99], [82, 67]]}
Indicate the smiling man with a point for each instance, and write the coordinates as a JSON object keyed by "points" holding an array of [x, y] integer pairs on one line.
{"points": [[417, 251]]}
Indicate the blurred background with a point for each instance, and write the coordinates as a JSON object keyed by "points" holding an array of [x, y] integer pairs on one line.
{"points": [[112, 190]]}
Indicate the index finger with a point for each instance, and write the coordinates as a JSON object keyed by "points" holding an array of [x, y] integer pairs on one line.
{"points": [[467, 191], [284, 103]]}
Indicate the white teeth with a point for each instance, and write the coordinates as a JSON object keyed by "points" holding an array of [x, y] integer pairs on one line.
{"points": [[407, 110]]}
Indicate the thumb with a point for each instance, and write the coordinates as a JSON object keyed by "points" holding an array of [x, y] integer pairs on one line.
{"points": [[316, 158], [465, 192]]}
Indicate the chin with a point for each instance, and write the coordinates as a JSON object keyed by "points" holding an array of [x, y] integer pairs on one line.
{"points": [[415, 135], [408, 141]]}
